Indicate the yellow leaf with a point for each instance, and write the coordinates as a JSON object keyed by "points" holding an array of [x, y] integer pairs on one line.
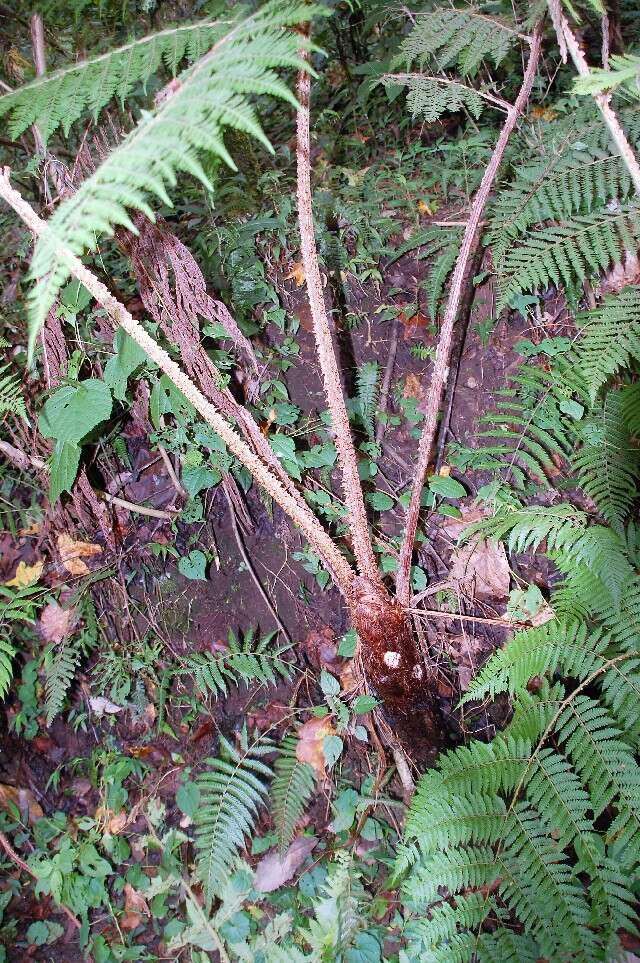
{"points": [[26, 575], [445, 471], [72, 553], [424, 208], [310, 745], [297, 273]]}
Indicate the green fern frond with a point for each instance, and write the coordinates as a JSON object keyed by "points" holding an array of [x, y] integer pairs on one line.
{"points": [[608, 464], [11, 398], [60, 663], [60, 98], [250, 659], [367, 384], [7, 654], [440, 246], [430, 97], [213, 94], [610, 338], [631, 408], [339, 915], [572, 252], [291, 789], [456, 38], [232, 791], [448, 934], [622, 75], [570, 649]]}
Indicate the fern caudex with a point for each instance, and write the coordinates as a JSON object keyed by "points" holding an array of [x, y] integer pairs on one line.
{"points": [[213, 94], [291, 789], [60, 98], [232, 791], [250, 659]]}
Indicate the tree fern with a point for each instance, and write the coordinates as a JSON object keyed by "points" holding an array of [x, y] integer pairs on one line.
{"points": [[11, 398], [188, 123], [248, 659], [232, 790], [456, 38], [568, 253], [62, 97], [291, 789], [610, 338], [608, 464]]}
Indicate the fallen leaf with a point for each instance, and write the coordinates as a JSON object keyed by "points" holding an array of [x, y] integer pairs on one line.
{"points": [[135, 907], [72, 553], [424, 208], [310, 745], [22, 799], [55, 623], [445, 471], [26, 575], [102, 706], [481, 569], [297, 273], [117, 823], [466, 651], [412, 387], [277, 868]]}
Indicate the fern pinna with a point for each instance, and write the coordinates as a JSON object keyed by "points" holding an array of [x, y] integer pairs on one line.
{"points": [[184, 128]]}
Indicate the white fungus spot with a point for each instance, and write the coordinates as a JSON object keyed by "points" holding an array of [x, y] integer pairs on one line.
{"points": [[392, 659], [417, 672]]}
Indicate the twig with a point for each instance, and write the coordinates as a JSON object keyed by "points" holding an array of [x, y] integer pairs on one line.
{"points": [[603, 101], [437, 613], [318, 538], [24, 462], [386, 381], [171, 471], [351, 486], [40, 63], [249, 564], [443, 353], [20, 863]]}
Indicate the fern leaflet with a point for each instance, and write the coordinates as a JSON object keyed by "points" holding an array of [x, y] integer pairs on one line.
{"points": [[291, 789]]}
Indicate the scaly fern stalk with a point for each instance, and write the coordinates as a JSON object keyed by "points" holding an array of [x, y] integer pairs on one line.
{"points": [[187, 123], [603, 101], [441, 366], [351, 486], [231, 792], [312, 529]]}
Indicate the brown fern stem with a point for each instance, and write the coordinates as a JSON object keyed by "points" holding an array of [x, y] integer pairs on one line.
{"points": [[301, 515], [445, 345], [351, 487]]}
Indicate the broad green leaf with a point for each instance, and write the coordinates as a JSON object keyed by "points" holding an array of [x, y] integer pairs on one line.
{"points": [[63, 469], [446, 487], [194, 565], [74, 410], [127, 358]]}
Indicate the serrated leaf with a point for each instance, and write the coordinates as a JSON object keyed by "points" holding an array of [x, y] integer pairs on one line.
{"points": [[63, 469], [74, 410]]}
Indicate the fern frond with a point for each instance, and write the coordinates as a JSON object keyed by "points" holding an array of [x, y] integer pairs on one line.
{"points": [[623, 74], [250, 659], [567, 648], [339, 915], [430, 97], [367, 385], [11, 398], [213, 94], [231, 792], [62, 97], [291, 789], [631, 408], [610, 338], [440, 246], [608, 465], [562, 255], [7, 654], [60, 664], [456, 38]]}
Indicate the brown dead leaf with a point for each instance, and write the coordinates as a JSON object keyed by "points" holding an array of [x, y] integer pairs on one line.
{"points": [[275, 868], [135, 907], [117, 823], [56, 623], [466, 651], [321, 649], [481, 569], [23, 799], [412, 387], [624, 273], [72, 553], [26, 575], [310, 745], [297, 273]]}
